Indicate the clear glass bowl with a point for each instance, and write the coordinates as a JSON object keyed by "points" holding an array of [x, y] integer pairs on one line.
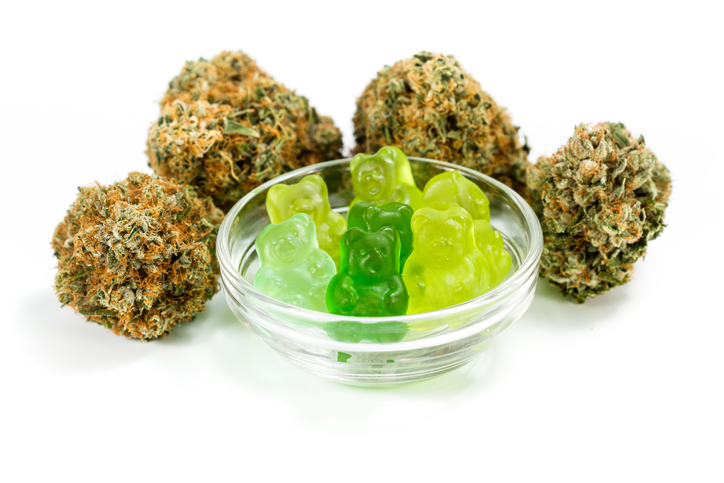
{"points": [[379, 351]]}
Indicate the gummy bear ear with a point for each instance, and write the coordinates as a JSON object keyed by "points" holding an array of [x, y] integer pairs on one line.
{"points": [[357, 160], [464, 220], [392, 153], [276, 190], [388, 232], [418, 219], [352, 235], [405, 210], [370, 213], [276, 193], [457, 178], [264, 243], [304, 219], [317, 181]]}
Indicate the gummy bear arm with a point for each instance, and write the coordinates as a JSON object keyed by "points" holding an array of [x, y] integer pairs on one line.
{"points": [[414, 276], [396, 292], [266, 282], [332, 227], [342, 292], [322, 265], [337, 223]]}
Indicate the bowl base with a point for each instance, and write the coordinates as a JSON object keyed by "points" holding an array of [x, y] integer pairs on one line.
{"points": [[365, 369]]}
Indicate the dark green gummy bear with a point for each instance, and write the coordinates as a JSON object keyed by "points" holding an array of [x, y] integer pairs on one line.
{"points": [[381, 332], [386, 332], [368, 283], [371, 217]]}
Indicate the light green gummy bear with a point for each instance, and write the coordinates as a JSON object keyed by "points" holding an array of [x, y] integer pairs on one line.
{"points": [[293, 268], [453, 189], [445, 267], [309, 196], [384, 177]]}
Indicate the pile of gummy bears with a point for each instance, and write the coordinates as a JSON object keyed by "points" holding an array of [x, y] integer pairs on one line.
{"points": [[400, 251]]}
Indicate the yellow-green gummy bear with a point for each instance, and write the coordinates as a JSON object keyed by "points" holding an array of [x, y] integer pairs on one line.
{"points": [[309, 196], [445, 268], [454, 189], [490, 242], [384, 177]]}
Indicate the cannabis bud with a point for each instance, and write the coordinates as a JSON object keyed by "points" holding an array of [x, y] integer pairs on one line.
{"points": [[226, 126], [601, 199], [430, 107], [138, 256]]}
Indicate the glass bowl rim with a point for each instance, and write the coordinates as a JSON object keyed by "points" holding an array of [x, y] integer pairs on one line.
{"points": [[510, 285]]}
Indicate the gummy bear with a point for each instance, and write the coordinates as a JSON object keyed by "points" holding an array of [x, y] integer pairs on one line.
{"points": [[453, 189], [445, 268], [384, 177], [293, 268], [309, 196], [368, 283], [380, 332], [371, 217]]}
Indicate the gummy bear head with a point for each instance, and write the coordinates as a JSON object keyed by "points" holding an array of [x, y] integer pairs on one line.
{"points": [[370, 256], [309, 196], [374, 216], [452, 188], [376, 177], [443, 237], [365, 215], [287, 242]]}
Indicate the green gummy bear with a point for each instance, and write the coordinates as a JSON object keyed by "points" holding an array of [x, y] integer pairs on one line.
{"points": [[368, 283], [293, 268], [381, 332], [384, 177], [454, 189], [446, 267], [309, 196], [371, 217]]}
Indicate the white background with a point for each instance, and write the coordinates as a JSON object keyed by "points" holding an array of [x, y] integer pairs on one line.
{"points": [[627, 387]]}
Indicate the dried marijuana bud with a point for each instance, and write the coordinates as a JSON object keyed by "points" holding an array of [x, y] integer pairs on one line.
{"points": [[600, 199], [138, 256], [226, 126], [430, 107]]}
